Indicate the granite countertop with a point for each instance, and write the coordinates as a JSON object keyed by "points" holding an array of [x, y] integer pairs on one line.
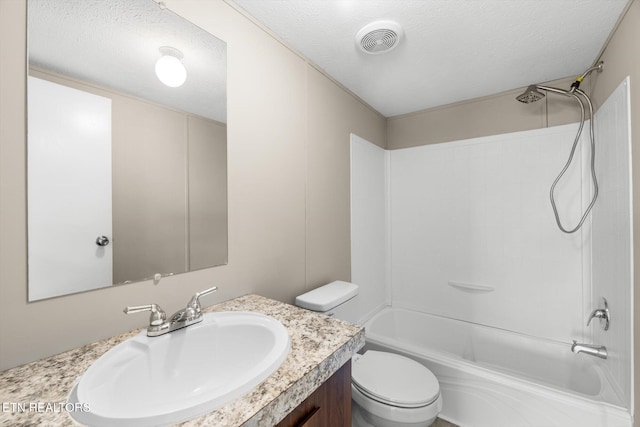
{"points": [[320, 345]]}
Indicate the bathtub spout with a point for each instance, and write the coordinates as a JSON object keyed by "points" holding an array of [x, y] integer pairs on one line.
{"points": [[590, 349]]}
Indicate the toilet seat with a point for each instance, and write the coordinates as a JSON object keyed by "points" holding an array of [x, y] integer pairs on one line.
{"points": [[394, 380]]}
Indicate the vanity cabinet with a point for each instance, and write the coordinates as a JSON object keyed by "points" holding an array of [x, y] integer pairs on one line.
{"points": [[329, 405]]}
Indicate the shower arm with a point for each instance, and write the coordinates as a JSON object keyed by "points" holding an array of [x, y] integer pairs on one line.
{"points": [[576, 85], [597, 67], [560, 91]]}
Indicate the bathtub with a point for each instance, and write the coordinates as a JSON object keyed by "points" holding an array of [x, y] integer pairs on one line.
{"points": [[492, 377]]}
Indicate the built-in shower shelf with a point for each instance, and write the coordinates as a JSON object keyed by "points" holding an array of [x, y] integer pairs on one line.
{"points": [[471, 287]]}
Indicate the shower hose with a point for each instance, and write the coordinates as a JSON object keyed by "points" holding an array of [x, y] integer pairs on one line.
{"points": [[571, 155]]}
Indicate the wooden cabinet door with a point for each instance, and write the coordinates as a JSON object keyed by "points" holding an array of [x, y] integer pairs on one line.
{"points": [[328, 406], [312, 419]]}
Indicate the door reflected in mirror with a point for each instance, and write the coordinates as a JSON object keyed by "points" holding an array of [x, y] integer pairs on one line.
{"points": [[127, 175]]}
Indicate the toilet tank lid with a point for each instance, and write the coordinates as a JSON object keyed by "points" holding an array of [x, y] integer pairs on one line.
{"points": [[328, 296]]}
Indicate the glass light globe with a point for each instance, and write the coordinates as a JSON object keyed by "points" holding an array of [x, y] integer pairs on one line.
{"points": [[171, 71]]}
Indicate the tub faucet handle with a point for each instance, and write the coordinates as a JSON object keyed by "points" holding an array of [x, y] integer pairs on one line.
{"points": [[602, 314]]}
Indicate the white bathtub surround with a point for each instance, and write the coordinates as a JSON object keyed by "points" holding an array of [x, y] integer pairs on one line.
{"points": [[471, 236], [369, 226], [477, 212], [493, 378], [611, 243]]}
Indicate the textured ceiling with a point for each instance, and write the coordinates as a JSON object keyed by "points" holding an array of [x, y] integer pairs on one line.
{"points": [[114, 43], [453, 50]]}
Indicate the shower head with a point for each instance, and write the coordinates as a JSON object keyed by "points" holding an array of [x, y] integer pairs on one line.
{"points": [[530, 95]]}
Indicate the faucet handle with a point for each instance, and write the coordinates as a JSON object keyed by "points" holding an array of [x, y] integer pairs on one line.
{"points": [[194, 303], [602, 314], [157, 318]]}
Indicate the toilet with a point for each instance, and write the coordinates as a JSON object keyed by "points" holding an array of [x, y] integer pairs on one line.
{"points": [[387, 389]]}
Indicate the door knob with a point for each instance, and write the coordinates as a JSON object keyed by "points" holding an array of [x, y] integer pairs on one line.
{"points": [[102, 241]]}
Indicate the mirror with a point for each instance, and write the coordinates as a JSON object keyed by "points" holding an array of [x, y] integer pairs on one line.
{"points": [[127, 175]]}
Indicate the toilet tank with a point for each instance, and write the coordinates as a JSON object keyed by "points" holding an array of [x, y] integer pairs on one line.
{"points": [[334, 299]]}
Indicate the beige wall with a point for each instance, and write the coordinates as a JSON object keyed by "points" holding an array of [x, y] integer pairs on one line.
{"points": [[207, 193], [490, 115], [157, 155], [288, 128], [149, 192], [333, 115]]}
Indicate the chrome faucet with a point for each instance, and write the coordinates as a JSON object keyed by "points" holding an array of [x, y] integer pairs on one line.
{"points": [[590, 349], [602, 314], [158, 323]]}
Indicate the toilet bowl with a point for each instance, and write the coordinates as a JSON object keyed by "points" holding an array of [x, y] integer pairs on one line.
{"points": [[387, 389], [392, 390]]}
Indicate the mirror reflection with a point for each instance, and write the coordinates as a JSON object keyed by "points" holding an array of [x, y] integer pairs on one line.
{"points": [[126, 147]]}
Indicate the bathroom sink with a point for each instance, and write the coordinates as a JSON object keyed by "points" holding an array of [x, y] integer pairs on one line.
{"points": [[181, 375]]}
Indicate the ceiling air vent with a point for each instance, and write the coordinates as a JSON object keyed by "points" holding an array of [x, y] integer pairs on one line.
{"points": [[379, 37]]}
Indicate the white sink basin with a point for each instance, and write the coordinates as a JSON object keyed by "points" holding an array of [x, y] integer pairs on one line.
{"points": [[181, 375]]}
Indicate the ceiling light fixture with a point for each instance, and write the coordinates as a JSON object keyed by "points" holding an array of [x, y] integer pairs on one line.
{"points": [[169, 68]]}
